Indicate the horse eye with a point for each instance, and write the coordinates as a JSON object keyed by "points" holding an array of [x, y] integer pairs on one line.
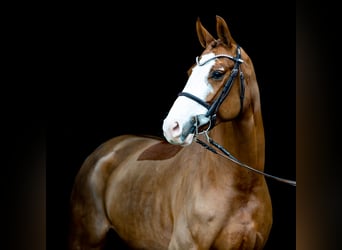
{"points": [[217, 74]]}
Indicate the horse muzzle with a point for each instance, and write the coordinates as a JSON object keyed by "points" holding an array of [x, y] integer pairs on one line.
{"points": [[179, 134]]}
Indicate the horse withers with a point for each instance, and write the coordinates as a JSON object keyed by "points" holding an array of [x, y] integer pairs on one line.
{"points": [[173, 194]]}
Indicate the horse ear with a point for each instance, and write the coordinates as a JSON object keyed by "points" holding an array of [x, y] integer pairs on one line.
{"points": [[203, 35], [223, 31]]}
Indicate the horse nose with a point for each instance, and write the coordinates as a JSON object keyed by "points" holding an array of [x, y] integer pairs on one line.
{"points": [[173, 129]]}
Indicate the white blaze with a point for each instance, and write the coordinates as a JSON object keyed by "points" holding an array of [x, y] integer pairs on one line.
{"points": [[185, 108]]}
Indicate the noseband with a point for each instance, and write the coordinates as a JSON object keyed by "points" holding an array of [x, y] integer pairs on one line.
{"points": [[213, 108]]}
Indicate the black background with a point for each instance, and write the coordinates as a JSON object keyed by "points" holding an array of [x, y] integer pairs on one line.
{"points": [[109, 70], [42, 112], [119, 72]]}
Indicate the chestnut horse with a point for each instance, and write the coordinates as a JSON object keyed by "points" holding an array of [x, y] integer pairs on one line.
{"points": [[175, 194]]}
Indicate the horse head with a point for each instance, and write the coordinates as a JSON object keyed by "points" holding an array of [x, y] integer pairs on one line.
{"points": [[215, 89]]}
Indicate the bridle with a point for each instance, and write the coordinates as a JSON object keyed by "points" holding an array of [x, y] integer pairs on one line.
{"points": [[210, 116], [213, 108]]}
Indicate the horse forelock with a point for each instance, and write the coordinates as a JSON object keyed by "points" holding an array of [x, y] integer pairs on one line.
{"points": [[213, 44], [216, 44]]}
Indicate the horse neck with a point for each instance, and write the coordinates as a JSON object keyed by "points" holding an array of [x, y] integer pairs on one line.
{"points": [[244, 137]]}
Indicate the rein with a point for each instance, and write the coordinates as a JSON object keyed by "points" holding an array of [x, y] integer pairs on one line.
{"points": [[230, 157], [210, 116]]}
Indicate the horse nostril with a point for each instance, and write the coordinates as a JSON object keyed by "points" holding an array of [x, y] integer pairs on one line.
{"points": [[175, 129]]}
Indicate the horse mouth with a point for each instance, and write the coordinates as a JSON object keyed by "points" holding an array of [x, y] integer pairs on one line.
{"points": [[182, 141], [196, 125], [182, 137]]}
